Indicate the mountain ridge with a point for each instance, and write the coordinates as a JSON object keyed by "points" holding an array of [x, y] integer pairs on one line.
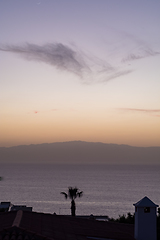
{"points": [[80, 152]]}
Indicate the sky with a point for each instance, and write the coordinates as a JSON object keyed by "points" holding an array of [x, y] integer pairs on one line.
{"points": [[84, 70]]}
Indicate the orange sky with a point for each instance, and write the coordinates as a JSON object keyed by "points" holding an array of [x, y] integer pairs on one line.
{"points": [[136, 129]]}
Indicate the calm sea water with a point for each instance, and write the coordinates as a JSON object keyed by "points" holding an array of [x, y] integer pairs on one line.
{"points": [[108, 189]]}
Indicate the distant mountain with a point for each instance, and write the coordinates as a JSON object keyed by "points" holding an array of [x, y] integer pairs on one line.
{"points": [[80, 152]]}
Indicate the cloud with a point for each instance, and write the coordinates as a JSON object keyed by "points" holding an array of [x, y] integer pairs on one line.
{"points": [[140, 49], [153, 112], [117, 74], [141, 110], [88, 67], [55, 54], [143, 54]]}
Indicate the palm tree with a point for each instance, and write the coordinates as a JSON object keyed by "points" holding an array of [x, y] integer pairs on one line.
{"points": [[73, 193]]}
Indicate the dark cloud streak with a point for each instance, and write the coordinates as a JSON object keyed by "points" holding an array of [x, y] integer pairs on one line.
{"points": [[141, 110], [89, 68], [153, 112], [117, 74], [143, 52], [55, 54]]}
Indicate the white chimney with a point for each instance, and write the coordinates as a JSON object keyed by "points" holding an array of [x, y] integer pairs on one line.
{"points": [[145, 220]]}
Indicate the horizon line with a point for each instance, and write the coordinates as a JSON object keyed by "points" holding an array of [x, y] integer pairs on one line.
{"points": [[82, 141]]}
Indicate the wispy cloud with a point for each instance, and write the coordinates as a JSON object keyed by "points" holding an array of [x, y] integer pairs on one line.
{"points": [[153, 112], [117, 74], [55, 54], [143, 53], [141, 110], [138, 49], [89, 68]]}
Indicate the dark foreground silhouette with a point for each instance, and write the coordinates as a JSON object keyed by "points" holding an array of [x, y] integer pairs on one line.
{"points": [[129, 219], [73, 193]]}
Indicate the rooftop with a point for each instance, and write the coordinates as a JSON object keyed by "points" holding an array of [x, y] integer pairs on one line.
{"points": [[145, 202], [23, 225]]}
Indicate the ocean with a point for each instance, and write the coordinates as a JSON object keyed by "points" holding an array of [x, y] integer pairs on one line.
{"points": [[107, 189]]}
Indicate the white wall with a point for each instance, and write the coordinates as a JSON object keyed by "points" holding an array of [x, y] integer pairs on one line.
{"points": [[145, 224]]}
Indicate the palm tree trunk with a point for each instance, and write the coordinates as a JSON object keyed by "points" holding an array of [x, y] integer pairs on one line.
{"points": [[73, 208]]}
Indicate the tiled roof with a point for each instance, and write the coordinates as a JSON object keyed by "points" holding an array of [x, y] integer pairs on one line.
{"points": [[6, 219], [16, 233], [32, 225]]}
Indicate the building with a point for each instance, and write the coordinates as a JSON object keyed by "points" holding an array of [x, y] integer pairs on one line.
{"points": [[21, 207], [5, 206], [28, 225], [145, 220], [24, 225]]}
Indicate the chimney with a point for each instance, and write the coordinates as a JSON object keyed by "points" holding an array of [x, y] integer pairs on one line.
{"points": [[145, 220]]}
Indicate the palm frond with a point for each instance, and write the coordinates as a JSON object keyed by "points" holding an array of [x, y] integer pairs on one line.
{"points": [[72, 192], [80, 194], [65, 194]]}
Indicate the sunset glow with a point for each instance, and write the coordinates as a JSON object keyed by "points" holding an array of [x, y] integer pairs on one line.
{"points": [[80, 70]]}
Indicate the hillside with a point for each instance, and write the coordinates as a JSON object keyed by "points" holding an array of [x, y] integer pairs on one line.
{"points": [[80, 152]]}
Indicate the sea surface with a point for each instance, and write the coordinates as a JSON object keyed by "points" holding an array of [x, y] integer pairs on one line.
{"points": [[108, 189]]}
